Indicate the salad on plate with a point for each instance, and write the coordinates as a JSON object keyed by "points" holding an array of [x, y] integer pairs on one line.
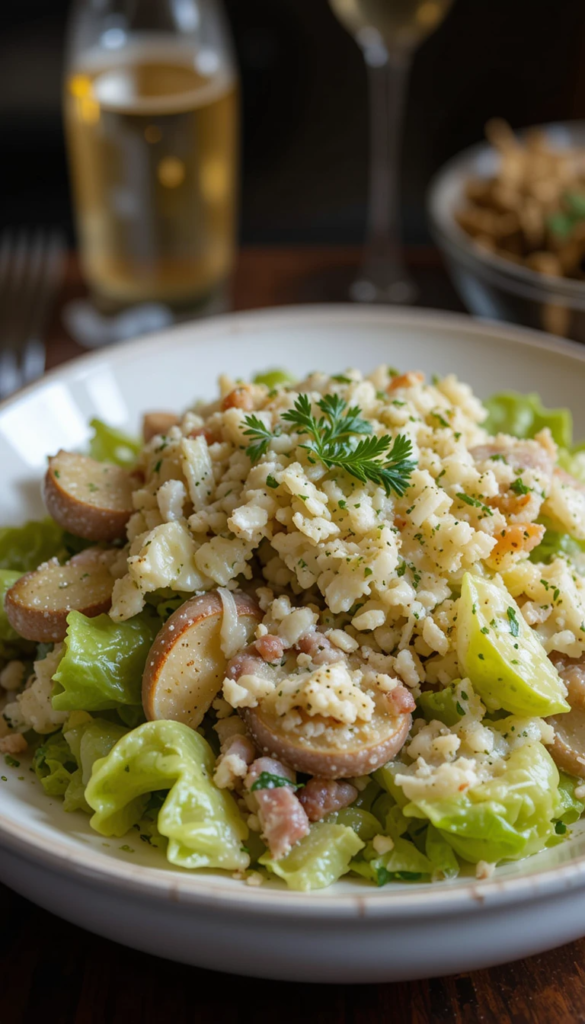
{"points": [[309, 629]]}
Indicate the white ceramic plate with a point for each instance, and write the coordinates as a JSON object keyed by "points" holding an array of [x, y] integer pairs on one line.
{"points": [[125, 890]]}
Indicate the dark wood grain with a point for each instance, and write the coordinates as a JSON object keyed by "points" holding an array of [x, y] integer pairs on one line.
{"points": [[54, 973]]}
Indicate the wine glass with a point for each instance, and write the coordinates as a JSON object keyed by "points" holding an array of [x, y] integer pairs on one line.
{"points": [[387, 32]]}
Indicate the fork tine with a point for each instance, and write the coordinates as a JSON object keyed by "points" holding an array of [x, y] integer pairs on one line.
{"points": [[49, 253], [30, 271], [14, 254]]}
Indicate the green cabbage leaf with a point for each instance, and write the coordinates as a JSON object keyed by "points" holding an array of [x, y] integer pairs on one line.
{"points": [[109, 444], [524, 416], [318, 860], [23, 548], [201, 822], [506, 818], [103, 662]]}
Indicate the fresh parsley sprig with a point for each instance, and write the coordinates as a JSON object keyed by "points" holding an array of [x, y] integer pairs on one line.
{"points": [[332, 438], [261, 437]]}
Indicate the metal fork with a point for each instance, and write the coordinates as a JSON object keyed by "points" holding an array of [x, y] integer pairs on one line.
{"points": [[31, 267]]}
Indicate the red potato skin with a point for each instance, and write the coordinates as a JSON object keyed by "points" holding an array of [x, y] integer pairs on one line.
{"points": [[80, 518], [175, 628], [42, 625], [334, 764]]}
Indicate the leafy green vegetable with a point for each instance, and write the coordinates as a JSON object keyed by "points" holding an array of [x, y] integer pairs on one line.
{"points": [[109, 444], [23, 548], [524, 416], [64, 760], [272, 378], [505, 818], [318, 860], [441, 854], [443, 705], [554, 544], [503, 657], [403, 863], [103, 662], [569, 808], [54, 764], [11, 644], [364, 824], [201, 822]]}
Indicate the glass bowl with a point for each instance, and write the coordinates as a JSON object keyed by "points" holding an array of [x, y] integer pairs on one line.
{"points": [[490, 285]]}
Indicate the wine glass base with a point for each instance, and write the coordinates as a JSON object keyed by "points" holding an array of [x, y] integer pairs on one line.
{"points": [[401, 292]]}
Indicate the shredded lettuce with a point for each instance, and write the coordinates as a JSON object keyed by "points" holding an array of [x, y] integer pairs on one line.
{"points": [[109, 444], [524, 416], [103, 662], [364, 823], [54, 764], [443, 705], [201, 822], [319, 859]]}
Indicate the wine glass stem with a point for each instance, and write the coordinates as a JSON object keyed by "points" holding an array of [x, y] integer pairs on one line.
{"points": [[383, 277]]}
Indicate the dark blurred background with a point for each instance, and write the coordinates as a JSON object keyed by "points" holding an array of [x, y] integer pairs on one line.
{"points": [[304, 106]]}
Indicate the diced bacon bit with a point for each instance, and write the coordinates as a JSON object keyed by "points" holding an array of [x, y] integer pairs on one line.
{"points": [[269, 647], [527, 455], [239, 398], [405, 380], [520, 538], [13, 744], [154, 423], [283, 819], [321, 797], [319, 648], [237, 753], [241, 746], [272, 767], [245, 663], [509, 504], [211, 436], [400, 700], [399, 522], [137, 478]]}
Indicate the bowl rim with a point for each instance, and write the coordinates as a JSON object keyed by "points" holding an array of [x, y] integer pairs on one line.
{"points": [[209, 890], [501, 272]]}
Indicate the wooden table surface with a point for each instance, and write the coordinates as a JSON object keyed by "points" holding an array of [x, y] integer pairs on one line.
{"points": [[52, 972]]}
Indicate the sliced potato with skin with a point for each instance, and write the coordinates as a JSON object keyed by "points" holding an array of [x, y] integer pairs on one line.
{"points": [[90, 499], [568, 747], [154, 423], [38, 604], [186, 666], [350, 754]]}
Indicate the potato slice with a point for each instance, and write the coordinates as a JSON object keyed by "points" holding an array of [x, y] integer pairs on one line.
{"points": [[345, 754], [568, 747], [154, 423], [90, 499], [186, 665], [38, 604]]}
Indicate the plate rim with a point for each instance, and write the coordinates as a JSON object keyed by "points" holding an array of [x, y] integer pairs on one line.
{"points": [[209, 891]]}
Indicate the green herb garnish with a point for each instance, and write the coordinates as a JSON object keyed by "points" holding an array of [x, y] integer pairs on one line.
{"points": [[475, 502], [266, 780], [332, 441], [514, 624], [261, 437]]}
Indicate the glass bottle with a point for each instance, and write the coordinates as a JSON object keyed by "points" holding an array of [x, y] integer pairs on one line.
{"points": [[152, 118]]}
